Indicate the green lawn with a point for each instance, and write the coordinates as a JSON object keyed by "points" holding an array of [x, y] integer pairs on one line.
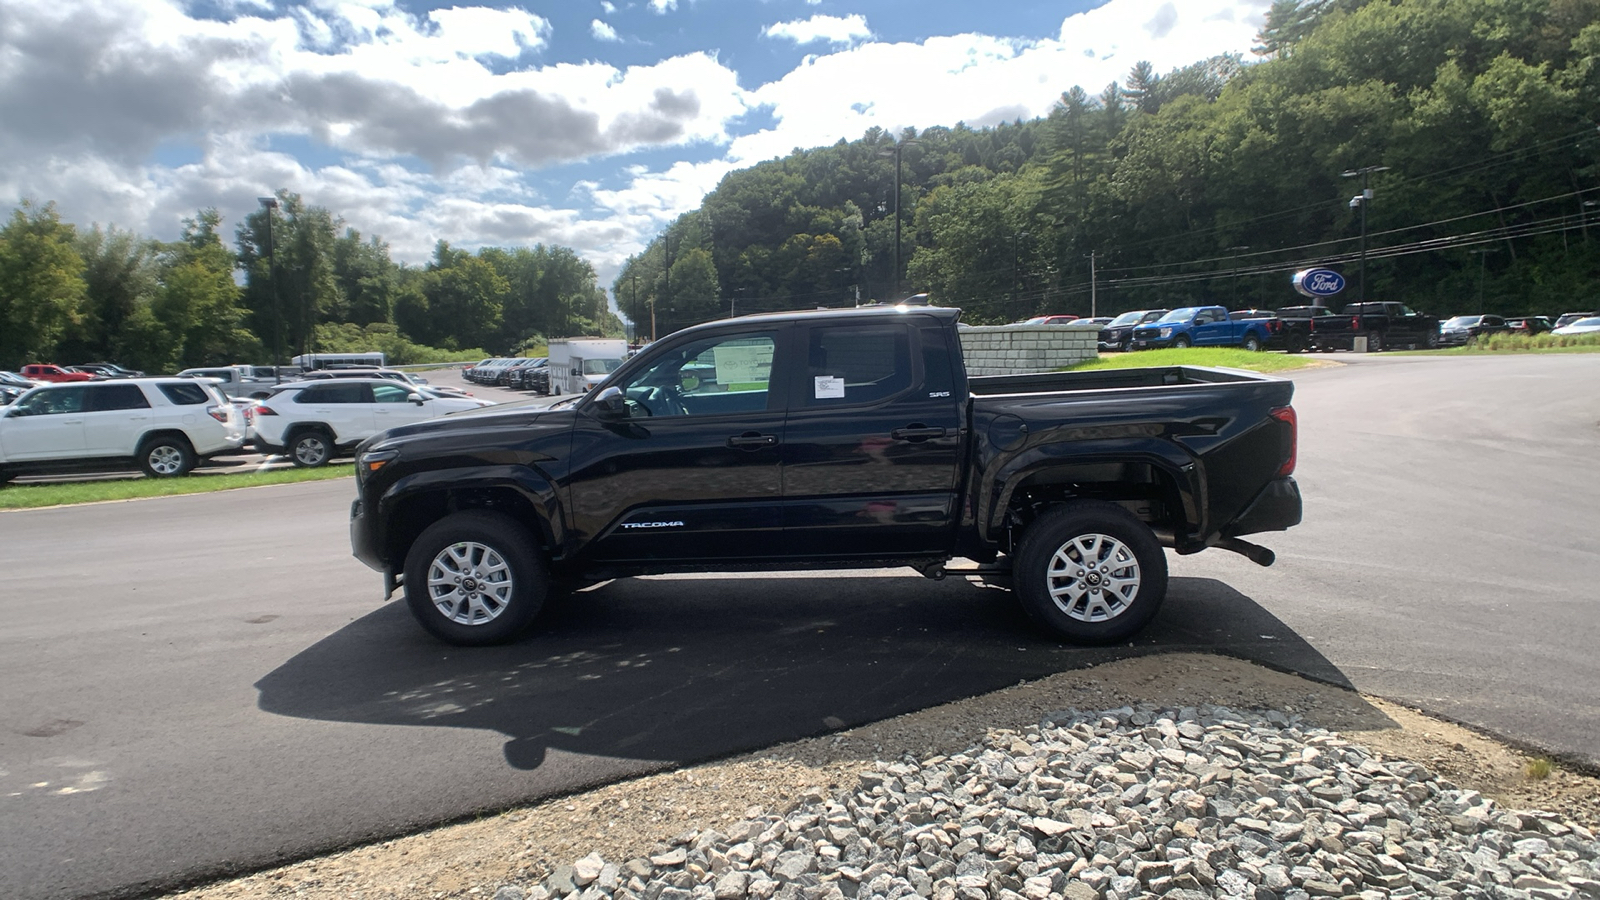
{"points": [[1520, 343], [32, 496], [1222, 357]]}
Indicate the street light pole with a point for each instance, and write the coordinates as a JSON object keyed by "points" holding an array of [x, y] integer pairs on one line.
{"points": [[269, 204], [1361, 200], [898, 147], [1236, 251]]}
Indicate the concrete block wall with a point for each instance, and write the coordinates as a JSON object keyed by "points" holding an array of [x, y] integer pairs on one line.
{"points": [[1021, 349]]}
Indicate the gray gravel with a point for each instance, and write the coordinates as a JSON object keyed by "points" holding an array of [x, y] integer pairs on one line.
{"points": [[1132, 802]]}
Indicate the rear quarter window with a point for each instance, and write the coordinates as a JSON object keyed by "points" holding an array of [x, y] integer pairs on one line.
{"points": [[185, 394]]}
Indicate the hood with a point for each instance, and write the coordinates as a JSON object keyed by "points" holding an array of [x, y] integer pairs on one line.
{"points": [[504, 415]]}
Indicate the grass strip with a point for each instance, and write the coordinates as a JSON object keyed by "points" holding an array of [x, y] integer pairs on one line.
{"points": [[1221, 357], [33, 496], [1522, 343]]}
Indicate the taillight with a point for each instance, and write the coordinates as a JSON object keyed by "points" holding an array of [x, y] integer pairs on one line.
{"points": [[264, 411], [1355, 323], [218, 413], [1285, 414]]}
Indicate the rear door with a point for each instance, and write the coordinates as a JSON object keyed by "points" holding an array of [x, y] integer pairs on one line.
{"points": [[344, 406], [115, 417], [1212, 329], [872, 442]]}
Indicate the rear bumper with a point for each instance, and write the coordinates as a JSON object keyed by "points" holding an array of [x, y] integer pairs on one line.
{"points": [[1276, 508]]}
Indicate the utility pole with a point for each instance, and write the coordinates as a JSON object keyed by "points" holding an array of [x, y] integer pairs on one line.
{"points": [[1361, 200], [1483, 255]]}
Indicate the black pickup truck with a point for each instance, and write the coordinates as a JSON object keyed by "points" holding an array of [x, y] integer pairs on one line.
{"points": [[842, 439], [1383, 324]]}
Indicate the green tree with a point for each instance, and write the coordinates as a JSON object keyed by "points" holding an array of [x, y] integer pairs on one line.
{"points": [[41, 284]]}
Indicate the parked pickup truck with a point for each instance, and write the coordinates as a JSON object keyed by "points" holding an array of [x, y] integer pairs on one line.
{"points": [[832, 439], [1382, 324], [1202, 326], [1295, 325]]}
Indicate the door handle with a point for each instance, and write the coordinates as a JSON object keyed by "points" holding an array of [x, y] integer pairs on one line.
{"points": [[751, 440], [916, 433], [72, 421]]}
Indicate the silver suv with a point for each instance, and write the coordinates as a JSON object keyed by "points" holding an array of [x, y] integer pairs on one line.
{"points": [[164, 426]]}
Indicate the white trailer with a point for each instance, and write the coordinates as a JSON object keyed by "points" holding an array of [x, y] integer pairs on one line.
{"points": [[578, 364]]}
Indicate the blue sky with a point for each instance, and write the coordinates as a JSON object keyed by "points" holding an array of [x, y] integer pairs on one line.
{"points": [[585, 123]]}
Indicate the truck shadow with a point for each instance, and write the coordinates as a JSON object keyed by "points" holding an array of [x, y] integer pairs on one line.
{"points": [[689, 669]]}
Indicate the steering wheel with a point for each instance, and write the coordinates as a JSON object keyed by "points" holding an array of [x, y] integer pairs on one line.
{"points": [[664, 398], [636, 409]]}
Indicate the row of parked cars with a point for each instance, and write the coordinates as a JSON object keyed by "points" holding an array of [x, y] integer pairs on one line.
{"points": [[165, 426], [525, 373], [1297, 329]]}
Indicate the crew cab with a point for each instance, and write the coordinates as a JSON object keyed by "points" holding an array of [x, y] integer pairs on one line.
{"points": [[54, 374], [831, 439], [1385, 324], [1201, 326]]}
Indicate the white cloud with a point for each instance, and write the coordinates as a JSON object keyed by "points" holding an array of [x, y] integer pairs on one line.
{"points": [[607, 7], [602, 31], [835, 30], [662, 7], [982, 79]]}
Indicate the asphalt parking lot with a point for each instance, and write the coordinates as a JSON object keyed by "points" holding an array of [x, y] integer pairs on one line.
{"points": [[202, 684]]}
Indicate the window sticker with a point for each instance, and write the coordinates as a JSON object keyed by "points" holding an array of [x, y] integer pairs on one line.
{"points": [[829, 387]]}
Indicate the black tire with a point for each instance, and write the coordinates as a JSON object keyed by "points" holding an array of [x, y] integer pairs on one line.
{"points": [[1252, 344], [1297, 344], [483, 548], [1374, 342], [1433, 341], [1090, 616], [5, 477], [1180, 342], [166, 456], [310, 448]]}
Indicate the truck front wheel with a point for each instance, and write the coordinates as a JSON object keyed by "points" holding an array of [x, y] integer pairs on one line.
{"points": [[1091, 572], [1180, 342], [475, 578]]}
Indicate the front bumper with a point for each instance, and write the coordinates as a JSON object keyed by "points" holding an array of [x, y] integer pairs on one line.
{"points": [[1143, 342], [1276, 508], [365, 542]]}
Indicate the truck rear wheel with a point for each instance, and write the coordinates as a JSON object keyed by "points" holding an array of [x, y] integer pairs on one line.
{"points": [[475, 578], [1252, 343], [1091, 572]]}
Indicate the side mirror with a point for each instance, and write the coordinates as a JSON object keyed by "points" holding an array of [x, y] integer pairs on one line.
{"points": [[611, 404], [415, 398]]}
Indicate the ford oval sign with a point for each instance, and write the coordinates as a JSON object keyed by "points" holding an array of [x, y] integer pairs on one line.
{"points": [[1318, 283]]}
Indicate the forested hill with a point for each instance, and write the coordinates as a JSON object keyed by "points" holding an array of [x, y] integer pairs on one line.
{"points": [[1476, 121]]}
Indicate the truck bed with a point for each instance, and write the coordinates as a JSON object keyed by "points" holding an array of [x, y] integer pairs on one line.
{"points": [[1104, 379]]}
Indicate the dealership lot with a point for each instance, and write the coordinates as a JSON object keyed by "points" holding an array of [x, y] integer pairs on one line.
{"points": [[192, 685]]}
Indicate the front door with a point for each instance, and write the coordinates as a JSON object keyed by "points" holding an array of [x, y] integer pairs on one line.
{"points": [[872, 444], [691, 474], [46, 424]]}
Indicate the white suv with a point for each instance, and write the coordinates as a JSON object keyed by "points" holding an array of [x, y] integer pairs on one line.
{"points": [[312, 420], [165, 426]]}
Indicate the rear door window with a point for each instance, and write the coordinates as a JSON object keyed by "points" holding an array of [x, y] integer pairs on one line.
{"points": [[848, 364], [108, 397], [348, 392]]}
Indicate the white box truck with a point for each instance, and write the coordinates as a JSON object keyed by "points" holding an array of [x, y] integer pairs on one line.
{"points": [[578, 364]]}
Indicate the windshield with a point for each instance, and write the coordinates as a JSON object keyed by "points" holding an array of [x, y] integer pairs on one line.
{"points": [[600, 366], [1180, 315], [1128, 318], [1463, 321]]}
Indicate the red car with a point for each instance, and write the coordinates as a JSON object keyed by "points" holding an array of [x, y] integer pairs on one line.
{"points": [[1049, 320], [43, 372]]}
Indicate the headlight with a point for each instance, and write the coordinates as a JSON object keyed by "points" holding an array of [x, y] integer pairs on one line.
{"points": [[1166, 333]]}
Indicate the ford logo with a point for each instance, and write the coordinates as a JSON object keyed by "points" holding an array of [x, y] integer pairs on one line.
{"points": [[1316, 283]]}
